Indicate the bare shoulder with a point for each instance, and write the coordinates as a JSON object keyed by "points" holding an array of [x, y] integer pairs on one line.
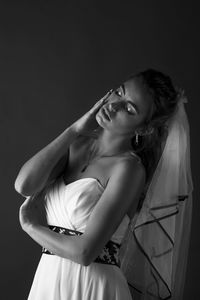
{"points": [[129, 166], [128, 178], [119, 198]]}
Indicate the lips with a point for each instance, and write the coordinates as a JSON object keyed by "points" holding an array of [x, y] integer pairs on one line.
{"points": [[106, 114]]}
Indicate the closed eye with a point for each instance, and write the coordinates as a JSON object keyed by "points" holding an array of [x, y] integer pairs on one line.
{"points": [[119, 93], [129, 106], [130, 109]]}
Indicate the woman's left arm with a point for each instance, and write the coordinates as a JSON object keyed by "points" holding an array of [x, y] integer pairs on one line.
{"points": [[33, 221], [122, 191]]}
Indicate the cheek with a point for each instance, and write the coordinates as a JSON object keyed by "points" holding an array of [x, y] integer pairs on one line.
{"points": [[126, 122], [111, 98]]}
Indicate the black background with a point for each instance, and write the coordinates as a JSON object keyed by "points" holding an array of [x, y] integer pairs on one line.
{"points": [[57, 58]]}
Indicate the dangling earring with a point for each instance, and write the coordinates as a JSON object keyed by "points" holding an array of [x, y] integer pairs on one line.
{"points": [[136, 138]]}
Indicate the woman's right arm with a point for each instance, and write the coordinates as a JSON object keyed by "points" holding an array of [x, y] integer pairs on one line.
{"points": [[48, 163], [45, 165]]}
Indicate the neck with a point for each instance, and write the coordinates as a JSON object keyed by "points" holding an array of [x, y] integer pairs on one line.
{"points": [[110, 143]]}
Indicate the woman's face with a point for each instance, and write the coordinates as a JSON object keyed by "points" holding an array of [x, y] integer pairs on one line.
{"points": [[128, 107]]}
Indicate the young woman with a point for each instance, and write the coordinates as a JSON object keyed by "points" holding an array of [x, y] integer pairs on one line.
{"points": [[85, 187]]}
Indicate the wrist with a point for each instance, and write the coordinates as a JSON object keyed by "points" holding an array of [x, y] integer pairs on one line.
{"points": [[73, 130]]}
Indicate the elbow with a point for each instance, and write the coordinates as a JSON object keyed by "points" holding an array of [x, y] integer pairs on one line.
{"points": [[24, 184], [86, 258], [80, 258], [85, 261], [21, 188], [80, 255], [77, 256], [89, 252], [18, 187]]}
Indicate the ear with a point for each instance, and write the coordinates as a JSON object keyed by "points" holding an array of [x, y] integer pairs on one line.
{"points": [[150, 130], [145, 130]]}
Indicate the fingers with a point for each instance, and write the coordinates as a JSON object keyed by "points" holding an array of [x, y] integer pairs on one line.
{"points": [[107, 95], [102, 101], [99, 103]]}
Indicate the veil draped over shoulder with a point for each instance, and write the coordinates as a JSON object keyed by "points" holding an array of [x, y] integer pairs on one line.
{"points": [[154, 251]]}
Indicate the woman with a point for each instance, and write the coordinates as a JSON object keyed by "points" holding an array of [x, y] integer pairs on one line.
{"points": [[85, 187]]}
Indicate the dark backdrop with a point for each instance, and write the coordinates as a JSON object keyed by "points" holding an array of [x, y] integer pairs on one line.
{"points": [[57, 58]]}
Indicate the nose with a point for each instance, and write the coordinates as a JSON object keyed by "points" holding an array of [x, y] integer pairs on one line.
{"points": [[111, 107], [114, 106]]}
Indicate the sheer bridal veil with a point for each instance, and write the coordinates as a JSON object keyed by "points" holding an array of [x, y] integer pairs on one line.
{"points": [[154, 250]]}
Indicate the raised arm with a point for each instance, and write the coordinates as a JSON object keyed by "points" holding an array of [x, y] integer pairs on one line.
{"points": [[45, 165], [48, 163]]}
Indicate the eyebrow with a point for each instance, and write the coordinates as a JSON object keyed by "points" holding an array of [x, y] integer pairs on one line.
{"points": [[129, 101], [123, 88]]}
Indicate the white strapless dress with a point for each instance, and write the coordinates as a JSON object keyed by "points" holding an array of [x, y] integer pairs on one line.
{"points": [[58, 278]]}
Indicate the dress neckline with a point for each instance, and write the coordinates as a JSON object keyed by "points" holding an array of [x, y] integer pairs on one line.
{"points": [[95, 179], [87, 178], [84, 178]]}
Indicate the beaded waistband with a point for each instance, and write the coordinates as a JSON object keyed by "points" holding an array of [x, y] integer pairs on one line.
{"points": [[109, 254]]}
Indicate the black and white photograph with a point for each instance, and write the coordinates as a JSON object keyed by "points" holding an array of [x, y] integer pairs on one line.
{"points": [[99, 120]]}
